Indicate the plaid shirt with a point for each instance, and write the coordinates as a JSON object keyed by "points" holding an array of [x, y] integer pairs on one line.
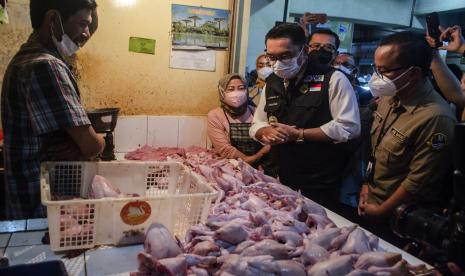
{"points": [[40, 98]]}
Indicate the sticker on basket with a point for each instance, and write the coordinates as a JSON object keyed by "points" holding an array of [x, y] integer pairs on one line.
{"points": [[135, 212]]}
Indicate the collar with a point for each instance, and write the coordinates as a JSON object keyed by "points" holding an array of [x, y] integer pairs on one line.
{"points": [[411, 103], [34, 44]]}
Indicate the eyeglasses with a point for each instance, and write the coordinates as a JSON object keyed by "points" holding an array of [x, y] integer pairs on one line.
{"points": [[328, 47], [381, 74], [288, 55]]}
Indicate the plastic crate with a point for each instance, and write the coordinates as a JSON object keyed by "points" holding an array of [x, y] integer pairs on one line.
{"points": [[47, 268], [170, 193]]}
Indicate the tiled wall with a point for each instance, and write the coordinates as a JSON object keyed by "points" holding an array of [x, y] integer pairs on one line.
{"points": [[160, 131]]}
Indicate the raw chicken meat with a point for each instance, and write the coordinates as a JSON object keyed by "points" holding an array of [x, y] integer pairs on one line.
{"points": [[379, 259], [400, 268], [288, 237], [357, 243], [269, 247], [358, 272], [69, 226], [101, 188], [259, 227], [159, 243], [232, 233], [313, 253], [175, 266], [324, 237], [290, 268], [340, 265], [205, 247]]}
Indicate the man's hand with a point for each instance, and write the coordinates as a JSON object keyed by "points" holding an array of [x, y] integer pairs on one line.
{"points": [[291, 131], [310, 18], [431, 41], [363, 200], [272, 136], [372, 210], [457, 41]]}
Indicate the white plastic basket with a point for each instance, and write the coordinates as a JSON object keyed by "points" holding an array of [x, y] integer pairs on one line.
{"points": [[170, 193]]}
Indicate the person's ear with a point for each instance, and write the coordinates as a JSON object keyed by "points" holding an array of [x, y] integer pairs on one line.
{"points": [[52, 20], [417, 73]]}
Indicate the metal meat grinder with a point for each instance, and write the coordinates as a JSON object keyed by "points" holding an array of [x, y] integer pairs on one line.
{"points": [[103, 120]]}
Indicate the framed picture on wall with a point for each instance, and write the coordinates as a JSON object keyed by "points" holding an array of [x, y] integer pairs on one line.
{"points": [[199, 26]]}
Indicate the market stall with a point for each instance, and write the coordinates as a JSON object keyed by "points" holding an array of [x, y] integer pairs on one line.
{"points": [[248, 209]]}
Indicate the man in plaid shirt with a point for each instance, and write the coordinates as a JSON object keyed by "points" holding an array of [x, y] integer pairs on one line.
{"points": [[42, 114]]}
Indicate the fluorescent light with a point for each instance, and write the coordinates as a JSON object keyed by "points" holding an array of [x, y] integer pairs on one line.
{"points": [[125, 3]]}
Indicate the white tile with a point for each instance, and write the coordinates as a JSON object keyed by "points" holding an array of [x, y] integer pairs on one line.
{"points": [[192, 131], [26, 238], [130, 133], [4, 238], [36, 224], [12, 226], [123, 260], [40, 253], [2, 250], [162, 131]]}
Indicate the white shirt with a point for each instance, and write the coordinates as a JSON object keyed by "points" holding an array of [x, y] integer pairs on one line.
{"points": [[343, 105]]}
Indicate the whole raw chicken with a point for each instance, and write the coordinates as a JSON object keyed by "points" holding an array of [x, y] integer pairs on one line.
{"points": [[159, 243]]}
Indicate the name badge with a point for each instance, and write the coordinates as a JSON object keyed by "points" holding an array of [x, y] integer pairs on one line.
{"points": [[314, 78]]}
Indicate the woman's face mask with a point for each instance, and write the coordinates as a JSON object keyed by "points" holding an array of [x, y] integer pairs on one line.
{"points": [[235, 94], [264, 72], [287, 68], [66, 47], [385, 87], [235, 98]]}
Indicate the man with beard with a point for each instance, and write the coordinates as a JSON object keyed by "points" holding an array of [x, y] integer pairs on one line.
{"points": [[308, 113]]}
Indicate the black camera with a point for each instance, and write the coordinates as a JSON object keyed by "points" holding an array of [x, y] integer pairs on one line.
{"points": [[443, 231]]}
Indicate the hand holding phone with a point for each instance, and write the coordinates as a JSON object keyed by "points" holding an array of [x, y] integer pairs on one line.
{"points": [[456, 40], [314, 18], [432, 24]]}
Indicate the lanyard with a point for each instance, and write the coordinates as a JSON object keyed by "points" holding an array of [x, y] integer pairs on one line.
{"points": [[371, 161], [384, 129]]}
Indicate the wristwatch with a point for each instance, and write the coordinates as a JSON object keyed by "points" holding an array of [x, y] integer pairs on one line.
{"points": [[301, 137]]}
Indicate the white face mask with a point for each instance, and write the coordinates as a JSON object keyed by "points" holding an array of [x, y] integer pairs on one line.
{"points": [[264, 72], [344, 69], [66, 47], [385, 87], [287, 68], [235, 98]]}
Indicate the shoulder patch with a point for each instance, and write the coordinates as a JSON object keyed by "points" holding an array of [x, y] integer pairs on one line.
{"points": [[304, 88], [437, 141]]}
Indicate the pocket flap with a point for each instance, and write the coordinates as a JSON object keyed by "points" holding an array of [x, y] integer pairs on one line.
{"points": [[310, 99]]}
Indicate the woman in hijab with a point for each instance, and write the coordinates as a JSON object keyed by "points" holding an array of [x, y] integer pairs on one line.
{"points": [[264, 69], [228, 125]]}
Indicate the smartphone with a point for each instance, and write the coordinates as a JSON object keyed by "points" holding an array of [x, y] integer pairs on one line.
{"points": [[432, 23]]}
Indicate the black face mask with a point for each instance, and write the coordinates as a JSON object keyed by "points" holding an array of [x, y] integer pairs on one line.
{"points": [[320, 57]]}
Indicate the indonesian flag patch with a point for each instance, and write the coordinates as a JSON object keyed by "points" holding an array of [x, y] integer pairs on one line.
{"points": [[315, 87]]}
